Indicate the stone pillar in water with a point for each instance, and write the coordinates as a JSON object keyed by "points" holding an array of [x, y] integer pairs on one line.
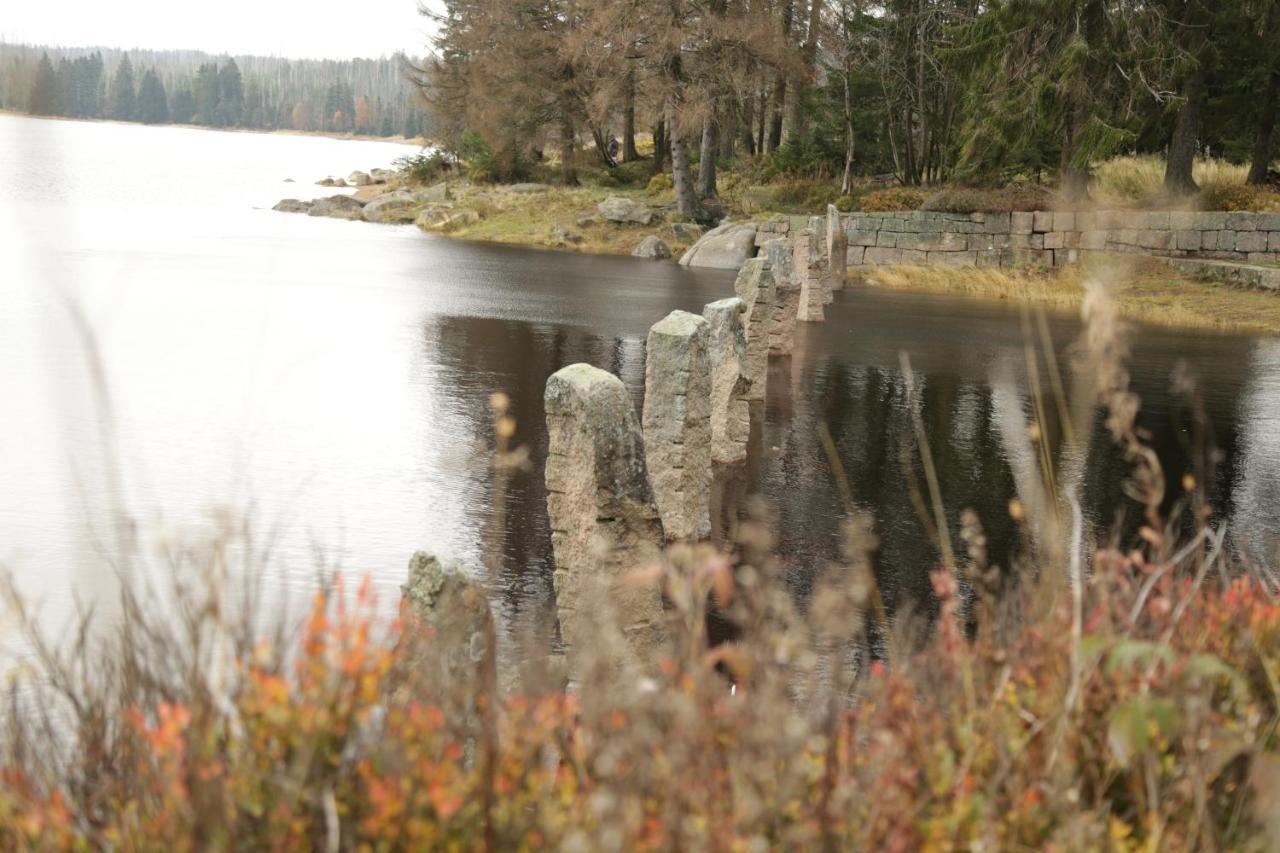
{"points": [[755, 287], [677, 423], [811, 270], [454, 605], [837, 249], [730, 380], [604, 523], [782, 331]]}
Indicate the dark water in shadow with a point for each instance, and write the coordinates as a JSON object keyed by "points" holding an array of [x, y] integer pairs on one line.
{"points": [[969, 361]]}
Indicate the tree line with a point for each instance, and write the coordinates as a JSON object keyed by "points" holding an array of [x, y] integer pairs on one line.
{"points": [[969, 91], [188, 87]]}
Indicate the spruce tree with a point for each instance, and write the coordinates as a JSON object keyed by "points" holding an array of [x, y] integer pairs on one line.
{"points": [[153, 105], [1046, 84], [184, 106], [122, 100], [230, 106], [206, 94], [64, 77], [44, 91]]}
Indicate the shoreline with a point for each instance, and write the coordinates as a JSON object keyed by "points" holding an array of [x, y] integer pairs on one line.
{"points": [[284, 131], [559, 218]]}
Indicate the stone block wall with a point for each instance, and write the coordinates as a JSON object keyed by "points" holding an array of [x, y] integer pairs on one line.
{"points": [[1054, 238]]}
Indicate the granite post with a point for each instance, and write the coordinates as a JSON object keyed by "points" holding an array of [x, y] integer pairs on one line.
{"points": [[730, 380], [604, 522], [677, 423]]}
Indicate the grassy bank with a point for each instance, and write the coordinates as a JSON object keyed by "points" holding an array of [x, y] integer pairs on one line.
{"points": [[1144, 289], [1123, 697], [556, 218]]}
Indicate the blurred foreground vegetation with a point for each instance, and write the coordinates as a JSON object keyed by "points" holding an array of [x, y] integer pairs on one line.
{"points": [[1093, 693]]}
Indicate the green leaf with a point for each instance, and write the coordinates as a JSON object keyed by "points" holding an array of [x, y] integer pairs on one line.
{"points": [[1132, 724], [1129, 652]]}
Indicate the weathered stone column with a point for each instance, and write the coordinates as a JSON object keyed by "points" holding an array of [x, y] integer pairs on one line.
{"points": [[837, 249], [810, 270], [755, 287], [818, 225], [730, 380], [454, 605], [782, 331], [677, 423], [604, 523]]}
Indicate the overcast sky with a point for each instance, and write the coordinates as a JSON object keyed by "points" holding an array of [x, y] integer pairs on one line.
{"points": [[293, 28]]}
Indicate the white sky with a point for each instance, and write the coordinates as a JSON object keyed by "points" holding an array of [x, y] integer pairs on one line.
{"points": [[293, 28]]}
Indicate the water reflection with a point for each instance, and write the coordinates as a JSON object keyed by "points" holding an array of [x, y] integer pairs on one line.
{"points": [[972, 396]]}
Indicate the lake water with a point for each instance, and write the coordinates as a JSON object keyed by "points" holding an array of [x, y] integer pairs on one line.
{"points": [[173, 352]]}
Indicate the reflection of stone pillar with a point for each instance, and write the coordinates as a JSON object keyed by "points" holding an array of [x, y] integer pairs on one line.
{"points": [[810, 270], [604, 523], [730, 379], [782, 331], [837, 249], [755, 287], [677, 423]]}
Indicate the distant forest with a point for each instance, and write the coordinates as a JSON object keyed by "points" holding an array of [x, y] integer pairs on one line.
{"points": [[369, 96]]}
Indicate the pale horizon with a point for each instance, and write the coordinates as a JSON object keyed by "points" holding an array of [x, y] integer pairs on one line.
{"points": [[331, 30]]}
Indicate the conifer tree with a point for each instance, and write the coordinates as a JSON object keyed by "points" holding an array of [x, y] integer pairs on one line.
{"points": [[153, 105], [184, 106], [122, 99], [206, 94], [230, 106], [1046, 87], [43, 100]]}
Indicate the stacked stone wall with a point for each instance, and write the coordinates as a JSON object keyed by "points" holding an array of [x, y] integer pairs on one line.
{"points": [[1055, 238]]}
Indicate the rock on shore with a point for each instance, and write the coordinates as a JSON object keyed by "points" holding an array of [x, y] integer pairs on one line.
{"points": [[726, 247], [653, 248]]}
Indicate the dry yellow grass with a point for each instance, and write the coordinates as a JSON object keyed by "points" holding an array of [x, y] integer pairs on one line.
{"points": [[1138, 177], [1144, 289]]}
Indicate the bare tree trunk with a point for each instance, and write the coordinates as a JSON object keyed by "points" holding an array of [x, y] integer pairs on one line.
{"points": [[809, 53], [747, 120], [762, 109], [922, 97], [1073, 182], [681, 175], [728, 133], [602, 145], [707, 157], [1264, 144], [568, 170], [629, 153], [780, 84], [909, 142], [1179, 177], [846, 183], [659, 147]]}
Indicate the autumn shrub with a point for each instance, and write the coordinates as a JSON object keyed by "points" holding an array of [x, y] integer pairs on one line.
{"points": [[802, 195], [660, 183], [1233, 197], [423, 168], [1119, 696], [892, 200], [847, 203], [635, 173]]}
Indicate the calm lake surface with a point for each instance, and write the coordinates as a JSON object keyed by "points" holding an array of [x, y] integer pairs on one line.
{"points": [[173, 352]]}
